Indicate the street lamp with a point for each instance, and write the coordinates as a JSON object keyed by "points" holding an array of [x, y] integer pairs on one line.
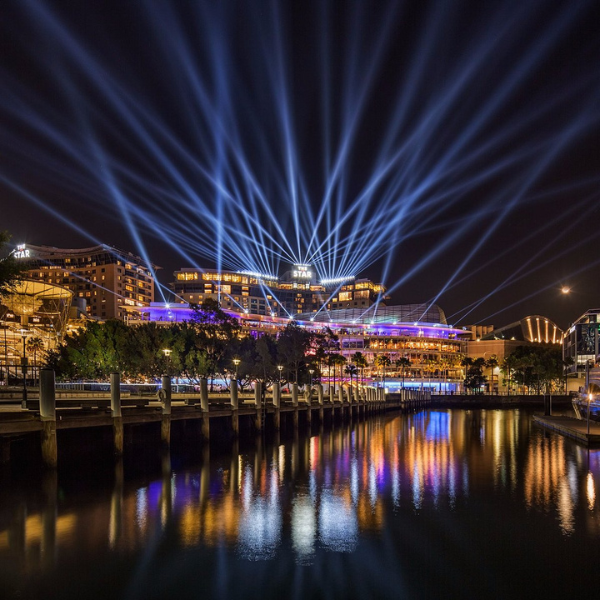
{"points": [[236, 362], [167, 353], [590, 396], [280, 368], [311, 371]]}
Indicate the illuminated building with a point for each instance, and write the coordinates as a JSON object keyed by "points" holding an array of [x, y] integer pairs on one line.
{"points": [[581, 344], [110, 281], [500, 342], [418, 332], [33, 310], [296, 292]]}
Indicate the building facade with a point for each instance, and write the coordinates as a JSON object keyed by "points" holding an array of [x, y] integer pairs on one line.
{"points": [[581, 347], [110, 282], [488, 343], [433, 348]]}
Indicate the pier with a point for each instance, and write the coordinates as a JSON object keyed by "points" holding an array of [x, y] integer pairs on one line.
{"points": [[576, 429], [50, 412]]}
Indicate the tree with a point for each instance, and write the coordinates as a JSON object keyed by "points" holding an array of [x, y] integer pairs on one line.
{"points": [[352, 371], [508, 366], [474, 377], [403, 363], [334, 360], [266, 351], [359, 359], [216, 332], [539, 366], [491, 363], [34, 345], [293, 344], [382, 361], [10, 268]]}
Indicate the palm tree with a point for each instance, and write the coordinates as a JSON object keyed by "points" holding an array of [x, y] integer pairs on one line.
{"points": [[340, 360], [403, 363], [382, 361], [492, 363], [334, 360], [508, 366], [352, 371], [35, 345], [358, 358]]}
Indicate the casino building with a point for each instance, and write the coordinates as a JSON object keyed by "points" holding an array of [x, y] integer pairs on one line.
{"points": [[106, 281], [296, 292], [354, 310]]}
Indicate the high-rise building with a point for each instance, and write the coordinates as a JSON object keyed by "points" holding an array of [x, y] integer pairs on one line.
{"points": [[109, 281]]}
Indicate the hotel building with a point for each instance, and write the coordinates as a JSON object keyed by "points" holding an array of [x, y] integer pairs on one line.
{"points": [[109, 281]]}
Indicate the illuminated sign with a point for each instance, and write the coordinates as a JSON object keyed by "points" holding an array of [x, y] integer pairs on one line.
{"points": [[302, 272], [21, 251]]}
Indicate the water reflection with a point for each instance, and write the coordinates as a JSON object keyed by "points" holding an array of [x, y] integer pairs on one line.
{"points": [[318, 493]]}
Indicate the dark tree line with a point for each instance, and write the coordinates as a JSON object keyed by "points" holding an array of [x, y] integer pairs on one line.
{"points": [[538, 368], [208, 346]]}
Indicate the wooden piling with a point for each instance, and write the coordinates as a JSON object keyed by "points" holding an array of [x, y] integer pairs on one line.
{"points": [[235, 419], [116, 413], [258, 420], [165, 428], [48, 418], [277, 405], [204, 394]]}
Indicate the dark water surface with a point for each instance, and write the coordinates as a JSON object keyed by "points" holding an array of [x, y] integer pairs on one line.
{"points": [[441, 504]]}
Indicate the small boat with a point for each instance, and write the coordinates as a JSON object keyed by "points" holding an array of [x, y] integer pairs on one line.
{"points": [[581, 405]]}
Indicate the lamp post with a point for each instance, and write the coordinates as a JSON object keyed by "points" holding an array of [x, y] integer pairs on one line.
{"points": [[236, 362], [280, 368], [167, 353]]}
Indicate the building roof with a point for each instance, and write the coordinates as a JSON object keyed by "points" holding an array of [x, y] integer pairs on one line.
{"points": [[49, 253], [534, 328], [402, 313]]}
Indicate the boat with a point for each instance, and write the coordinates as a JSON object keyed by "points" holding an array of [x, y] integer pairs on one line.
{"points": [[581, 405]]}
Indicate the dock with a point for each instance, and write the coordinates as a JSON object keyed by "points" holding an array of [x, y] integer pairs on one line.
{"points": [[571, 427]]}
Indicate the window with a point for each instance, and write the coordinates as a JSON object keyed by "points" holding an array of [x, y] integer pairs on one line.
{"points": [[187, 276]]}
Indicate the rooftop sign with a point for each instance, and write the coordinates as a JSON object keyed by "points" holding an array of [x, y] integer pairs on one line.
{"points": [[21, 251]]}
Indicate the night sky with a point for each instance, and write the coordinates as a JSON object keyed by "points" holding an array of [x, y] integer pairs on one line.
{"points": [[450, 149]]}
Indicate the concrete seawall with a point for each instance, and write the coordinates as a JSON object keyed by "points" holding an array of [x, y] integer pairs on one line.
{"points": [[484, 401]]}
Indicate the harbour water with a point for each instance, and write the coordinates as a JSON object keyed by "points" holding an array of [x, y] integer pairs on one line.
{"points": [[438, 504]]}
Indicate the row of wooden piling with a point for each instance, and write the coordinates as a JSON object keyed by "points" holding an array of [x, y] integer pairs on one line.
{"points": [[368, 399]]}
